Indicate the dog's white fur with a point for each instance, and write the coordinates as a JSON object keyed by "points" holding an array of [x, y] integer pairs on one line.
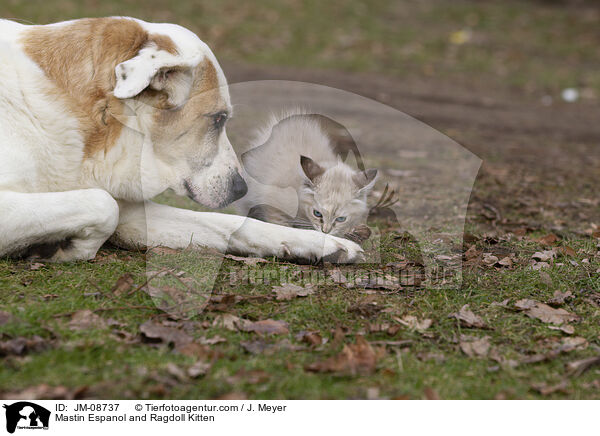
{"points": [[52, 190]]}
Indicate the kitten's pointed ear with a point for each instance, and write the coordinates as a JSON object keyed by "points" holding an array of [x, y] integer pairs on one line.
{"points": [[365, 180], [311, 169]]}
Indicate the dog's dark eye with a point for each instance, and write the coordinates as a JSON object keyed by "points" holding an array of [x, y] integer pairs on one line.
{"points": [[219, 120]]}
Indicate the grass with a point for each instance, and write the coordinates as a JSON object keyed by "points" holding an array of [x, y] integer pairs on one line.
{"points": [[111, 368]]}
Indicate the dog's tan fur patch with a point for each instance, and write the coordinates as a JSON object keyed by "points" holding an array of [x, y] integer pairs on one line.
{"points": [[80, 58]]}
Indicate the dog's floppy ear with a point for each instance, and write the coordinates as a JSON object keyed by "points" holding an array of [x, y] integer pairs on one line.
{"points": [[157, 69]]}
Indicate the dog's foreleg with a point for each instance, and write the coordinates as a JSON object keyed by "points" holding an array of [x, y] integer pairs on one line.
{"points": [[56, 226], [151, 224]]}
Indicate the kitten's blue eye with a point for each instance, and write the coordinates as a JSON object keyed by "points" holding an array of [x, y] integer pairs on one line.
{"points": [[317, 213], [340, 219]]}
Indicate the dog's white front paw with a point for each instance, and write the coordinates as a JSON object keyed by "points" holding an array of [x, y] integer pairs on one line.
{"points": [[316, 246]]}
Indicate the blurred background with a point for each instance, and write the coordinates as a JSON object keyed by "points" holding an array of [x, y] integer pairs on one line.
{"points": [[540, 48], [515, 82]]}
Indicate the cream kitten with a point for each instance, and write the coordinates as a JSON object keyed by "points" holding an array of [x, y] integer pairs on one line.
{"points": [[297, 177]]}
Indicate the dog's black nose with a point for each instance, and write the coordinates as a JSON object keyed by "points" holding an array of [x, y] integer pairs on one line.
{"points": [[238, 187]]}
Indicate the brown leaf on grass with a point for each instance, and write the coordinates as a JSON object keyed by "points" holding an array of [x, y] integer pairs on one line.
{"points": [[311, 338], [475, 347], [544, 256], [565, 250], [123, 285], [289, 291], [431, 394], [565, 328], [268, 327], [250, 261], [545, 313], [413, 323], [36, 265], [572, 343], [546, 389], [375, 281], [230, 322], [199, 369], [199, 351], [176, 372], [549, 239], [472, 253], [155, 333], [21, 346], [6, 317], [468, 319], [46, 392], [163, 251], [180, 302], [211, 341], [560, 298], [85, 320], [359, 358], [578, 367], [503, 303]]}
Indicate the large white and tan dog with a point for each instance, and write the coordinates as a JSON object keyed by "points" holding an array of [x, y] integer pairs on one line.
{"points": [[100, 115]]}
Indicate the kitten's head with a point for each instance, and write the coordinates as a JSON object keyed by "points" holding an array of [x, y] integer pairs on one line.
{"points": [[334, 199]]}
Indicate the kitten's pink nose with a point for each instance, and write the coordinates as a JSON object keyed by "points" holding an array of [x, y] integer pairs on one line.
{"points": [[326, 228]]}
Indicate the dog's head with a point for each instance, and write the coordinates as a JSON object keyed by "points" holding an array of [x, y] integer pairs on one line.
{"points": [[181, 101], [152, 103]]}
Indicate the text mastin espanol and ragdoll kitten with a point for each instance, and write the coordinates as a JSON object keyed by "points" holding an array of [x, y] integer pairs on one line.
{"points": [[297, 177]]}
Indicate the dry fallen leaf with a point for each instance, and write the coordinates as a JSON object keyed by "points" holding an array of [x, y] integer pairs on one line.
{"points": [[545, 313], [198, 369], [267, 326], [560, 298], [163, 251], [475, 347], [545, 389], [85, 320], [578, 367], [544, 256], [549, 239], [414, 324], [155, 332], [230, 322], [123, 284], [289, 291], [359, 358], [565, 328], [311, 338], [468, 319], [250, 261], [431, 394]]}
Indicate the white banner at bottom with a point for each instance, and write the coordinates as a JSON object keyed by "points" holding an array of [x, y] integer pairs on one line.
{"points": [[297, 417]]}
